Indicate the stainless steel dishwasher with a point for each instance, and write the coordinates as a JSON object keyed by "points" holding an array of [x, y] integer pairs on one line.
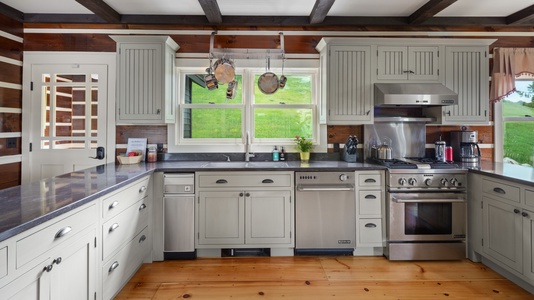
{"points": [[325, 213], [179, 216]]}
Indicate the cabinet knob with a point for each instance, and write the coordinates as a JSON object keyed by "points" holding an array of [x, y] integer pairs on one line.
{"points": [[142, 238], [142, 206], [516, 211], [241, 194], [526, 215], [247, 194], [142, 189]]}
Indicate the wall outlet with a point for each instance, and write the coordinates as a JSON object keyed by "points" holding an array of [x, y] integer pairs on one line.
{"points": [[11, 143]]}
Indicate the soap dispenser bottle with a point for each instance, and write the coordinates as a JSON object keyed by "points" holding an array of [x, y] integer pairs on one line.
{"points": [[276, 154]]}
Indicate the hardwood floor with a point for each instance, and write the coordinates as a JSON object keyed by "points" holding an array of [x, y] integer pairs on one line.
{"points": [[318, 278]]}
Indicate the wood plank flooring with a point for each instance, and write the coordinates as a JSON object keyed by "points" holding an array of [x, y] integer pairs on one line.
{"points": [[318, 278]]}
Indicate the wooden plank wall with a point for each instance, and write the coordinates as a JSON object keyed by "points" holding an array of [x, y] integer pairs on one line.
{"points": [[13, 41], [11, 46]]}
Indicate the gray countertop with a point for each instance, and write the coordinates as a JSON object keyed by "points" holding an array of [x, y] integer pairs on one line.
{"points": [[516, 173], [28, 205]]}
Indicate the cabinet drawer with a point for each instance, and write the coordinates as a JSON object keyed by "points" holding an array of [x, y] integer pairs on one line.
{"points": [[529, 198], [369, 180], [118, 202], [501, 190], [370, 232], [30, 247], [370, 203], [124, 226], [117, 271], [3, 262], [245, 180]]}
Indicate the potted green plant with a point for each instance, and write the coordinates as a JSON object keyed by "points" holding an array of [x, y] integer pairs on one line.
{"points": [[304, 146]]}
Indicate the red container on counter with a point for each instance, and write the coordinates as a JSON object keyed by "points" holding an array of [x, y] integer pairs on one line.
{"points": [[448, 153]]}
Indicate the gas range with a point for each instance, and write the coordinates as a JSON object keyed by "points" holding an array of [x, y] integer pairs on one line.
{"points": [[413, 163]]}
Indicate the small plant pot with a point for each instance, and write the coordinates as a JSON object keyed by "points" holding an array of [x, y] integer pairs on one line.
{"points": [[304, 157]]}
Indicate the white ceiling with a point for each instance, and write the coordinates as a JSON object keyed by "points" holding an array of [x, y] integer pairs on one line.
{"points": [[386, 8]]}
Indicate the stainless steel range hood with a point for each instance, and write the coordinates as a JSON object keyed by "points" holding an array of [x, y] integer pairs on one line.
{"points": [[414, 94]]}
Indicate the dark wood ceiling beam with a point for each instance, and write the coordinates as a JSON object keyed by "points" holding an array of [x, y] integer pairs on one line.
{"points": [[429, 10], [320, 10], [11, 12], [211, 10], [101, 9], [522, 16]]}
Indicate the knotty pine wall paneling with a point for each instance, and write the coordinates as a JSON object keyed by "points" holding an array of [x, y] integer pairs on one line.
{"points": [[11, 47]]}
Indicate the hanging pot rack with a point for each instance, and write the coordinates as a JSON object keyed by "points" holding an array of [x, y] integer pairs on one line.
{"points": [[241, 53]]}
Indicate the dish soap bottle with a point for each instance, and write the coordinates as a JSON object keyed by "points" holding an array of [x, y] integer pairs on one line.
{"points": [[276, 154], [282, 153]]}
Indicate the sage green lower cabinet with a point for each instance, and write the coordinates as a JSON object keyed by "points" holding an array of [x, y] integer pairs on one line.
{"points": [[501, 227], [65, 269], [244, 209]]}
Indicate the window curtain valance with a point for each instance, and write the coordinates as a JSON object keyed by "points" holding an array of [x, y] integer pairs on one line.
{"points": [[508, 63]]}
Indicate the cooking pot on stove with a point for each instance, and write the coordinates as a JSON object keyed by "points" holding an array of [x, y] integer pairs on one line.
{"points": [[384, 151]]}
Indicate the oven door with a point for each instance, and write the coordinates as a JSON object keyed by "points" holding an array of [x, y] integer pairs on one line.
{"points": [[426, 216]]}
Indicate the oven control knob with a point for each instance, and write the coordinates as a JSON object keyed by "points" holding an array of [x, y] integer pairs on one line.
{"points": [[412, 181], [343, 177], [428, 181], [454, 182], [444, 181], [402, 181]]}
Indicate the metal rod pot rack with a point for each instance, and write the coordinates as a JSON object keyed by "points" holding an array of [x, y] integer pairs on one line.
{"points": [[234, 53]]}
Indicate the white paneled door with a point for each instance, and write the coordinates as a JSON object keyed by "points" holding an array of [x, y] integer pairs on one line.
{"points": [[69, 119]]}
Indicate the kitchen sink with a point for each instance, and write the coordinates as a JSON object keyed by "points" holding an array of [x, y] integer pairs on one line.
{"points": [[243, 164]]}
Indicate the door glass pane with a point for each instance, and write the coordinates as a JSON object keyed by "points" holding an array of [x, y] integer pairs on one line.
{"points": [[428, 218], [70, 77]]}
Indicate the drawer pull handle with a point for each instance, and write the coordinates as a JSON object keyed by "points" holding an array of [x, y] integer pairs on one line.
{"points": [[143, 206], [499, 190], [113, 266], [267, 181], [142, 189], [113, 205], [113, 227], [63, 232], [370, 180], [221, 181], [370, 225], [142, 238], [370, 197]]}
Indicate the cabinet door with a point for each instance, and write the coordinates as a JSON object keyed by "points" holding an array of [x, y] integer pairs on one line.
{"points": [[75, 276], [528, 242], [349, 85], [221, 218], [268, 217], [423, 63], [392, 63], [34, 284], [140, 83], [466, 73], [502, 225]]}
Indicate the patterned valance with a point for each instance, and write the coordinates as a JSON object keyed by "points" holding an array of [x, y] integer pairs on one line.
{"points": [[508, 63]]}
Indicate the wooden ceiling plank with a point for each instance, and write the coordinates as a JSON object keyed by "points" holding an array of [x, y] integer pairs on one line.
{"points": [[522, 16], [429, 10], [320, 10], [211, 10], [101, 9]]}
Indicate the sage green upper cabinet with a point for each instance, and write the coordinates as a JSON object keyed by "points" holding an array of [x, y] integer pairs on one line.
{"points": [[466, 73], [146, 79], [347, 89], [419, 64]]}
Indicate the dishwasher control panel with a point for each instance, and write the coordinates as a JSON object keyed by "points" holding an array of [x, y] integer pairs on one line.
{"points": [[324, 177], [176, 183]]}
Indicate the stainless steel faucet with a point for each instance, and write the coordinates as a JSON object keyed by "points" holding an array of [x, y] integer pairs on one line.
{"points": [[248, 154]]}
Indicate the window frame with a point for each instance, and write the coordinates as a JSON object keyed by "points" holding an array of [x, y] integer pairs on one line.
{"points": [[499, 121], [248, 69]]}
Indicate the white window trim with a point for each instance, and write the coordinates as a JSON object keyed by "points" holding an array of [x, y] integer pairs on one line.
{"points": [[248, 68]]}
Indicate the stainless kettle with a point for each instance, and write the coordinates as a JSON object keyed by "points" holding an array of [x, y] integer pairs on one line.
{"points": [[384, 151]]}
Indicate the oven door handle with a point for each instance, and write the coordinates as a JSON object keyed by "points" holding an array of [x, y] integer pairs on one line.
{"points": [[422, 200], [302, 188]]}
